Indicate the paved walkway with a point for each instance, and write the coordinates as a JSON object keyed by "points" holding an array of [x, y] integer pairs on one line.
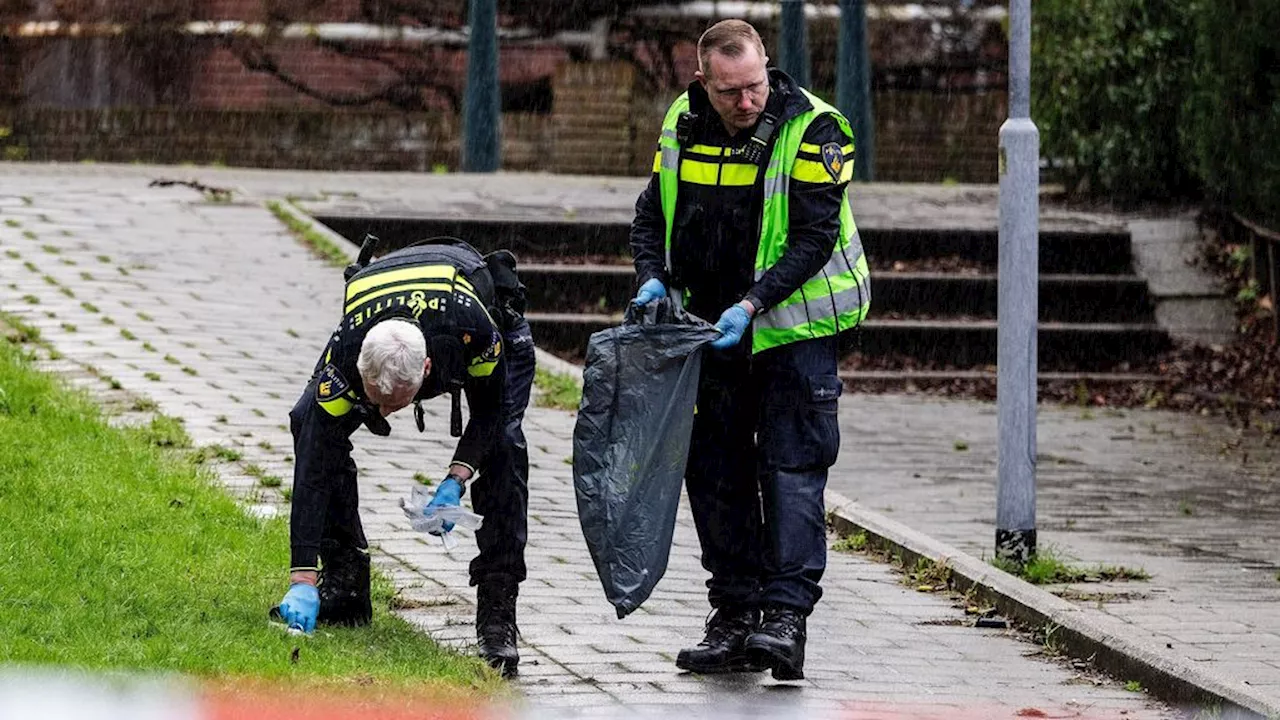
{"points": [[216, 313], [1190, 500]]}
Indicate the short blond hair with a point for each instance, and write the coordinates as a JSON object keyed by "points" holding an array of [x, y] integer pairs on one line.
{"points": [[729, 38]]}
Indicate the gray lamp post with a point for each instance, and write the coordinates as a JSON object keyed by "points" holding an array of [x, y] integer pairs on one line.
{"points": [[1017, 306]]}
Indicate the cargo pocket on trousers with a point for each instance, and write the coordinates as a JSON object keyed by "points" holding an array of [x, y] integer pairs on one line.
{"points": [[806, 434]]}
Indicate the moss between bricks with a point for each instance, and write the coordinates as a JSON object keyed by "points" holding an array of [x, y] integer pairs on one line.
{"points": [[305, 231]]}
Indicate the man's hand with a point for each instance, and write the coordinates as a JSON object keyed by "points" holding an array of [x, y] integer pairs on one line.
{"points": [[448, 494], [732, 323], [300, 607], [651, 290]]}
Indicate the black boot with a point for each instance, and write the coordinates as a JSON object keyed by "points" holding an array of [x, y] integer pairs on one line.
{"points": [[344, 590], [496, 626], [779, 644], [721, 651]]}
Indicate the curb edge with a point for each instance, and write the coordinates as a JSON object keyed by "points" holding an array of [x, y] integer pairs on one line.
{"points": [[1084, 634]]}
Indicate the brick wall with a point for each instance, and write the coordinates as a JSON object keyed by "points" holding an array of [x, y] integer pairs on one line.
{"points": [[259, 138], [920, 137], [592, 122], [927, 137]]}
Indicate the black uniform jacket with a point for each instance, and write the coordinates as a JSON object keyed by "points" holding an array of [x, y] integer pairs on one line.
{"points": [[717, 222], [436, 287]]}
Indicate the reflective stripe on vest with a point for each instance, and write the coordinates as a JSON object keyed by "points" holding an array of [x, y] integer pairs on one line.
{"points": [[834, 299]]}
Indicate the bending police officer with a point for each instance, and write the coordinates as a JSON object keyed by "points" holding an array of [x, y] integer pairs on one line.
{"points": [[430, 319], [746, 214]]}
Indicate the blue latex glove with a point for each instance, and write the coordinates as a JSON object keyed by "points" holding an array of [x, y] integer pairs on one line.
{"points": [[449, 494], [300, 607], [732, 323], [651, 290]]}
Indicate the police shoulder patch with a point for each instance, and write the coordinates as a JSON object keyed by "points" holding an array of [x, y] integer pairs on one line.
{"points": [[332, 384], [833, 159]]}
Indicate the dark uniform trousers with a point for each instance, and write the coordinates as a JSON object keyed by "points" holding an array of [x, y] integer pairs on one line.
{"points": [[764, 436], [500, 494]]}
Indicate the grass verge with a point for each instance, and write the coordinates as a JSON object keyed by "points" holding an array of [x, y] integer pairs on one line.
{"points": [[557, 390], [122, 556], [317, 241]]}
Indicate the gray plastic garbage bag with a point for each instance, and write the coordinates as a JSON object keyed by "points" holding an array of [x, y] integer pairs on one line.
{"points": [[631, 442]]}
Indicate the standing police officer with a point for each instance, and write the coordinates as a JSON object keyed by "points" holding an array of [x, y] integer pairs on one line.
{"points": [[746, 213], [430, 319]]}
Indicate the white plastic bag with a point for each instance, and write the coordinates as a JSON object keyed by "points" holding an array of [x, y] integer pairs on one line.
{"points": [[424, 518]]}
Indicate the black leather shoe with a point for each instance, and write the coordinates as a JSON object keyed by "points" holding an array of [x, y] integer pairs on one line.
{"points": [[779, 644], [721, 651], [344, 590], [496, 626]]}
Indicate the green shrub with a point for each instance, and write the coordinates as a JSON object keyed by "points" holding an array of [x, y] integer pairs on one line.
{"points": [[1109, 77], [1232, 107]]}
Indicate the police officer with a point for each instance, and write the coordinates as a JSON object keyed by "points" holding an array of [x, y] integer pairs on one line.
{"points": [[746, 214], [430, 319]]}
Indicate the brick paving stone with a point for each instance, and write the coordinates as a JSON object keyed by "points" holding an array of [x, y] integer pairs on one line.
{"points": [[228, 293]]}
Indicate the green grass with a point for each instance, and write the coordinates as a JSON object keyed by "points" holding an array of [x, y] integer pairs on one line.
{"points": [[851, 543], [121, 556], [318, 242], [219, 452], [1048, 567], [557, 390]]}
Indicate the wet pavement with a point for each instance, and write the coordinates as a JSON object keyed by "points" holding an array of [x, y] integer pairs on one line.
{"points": [[217, 313], [1190, 500]]}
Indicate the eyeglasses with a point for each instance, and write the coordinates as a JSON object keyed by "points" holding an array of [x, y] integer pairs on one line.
{"points": [[753, 90]]}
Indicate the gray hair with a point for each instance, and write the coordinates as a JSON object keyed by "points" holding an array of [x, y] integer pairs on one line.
{"points": [[392, 355]]}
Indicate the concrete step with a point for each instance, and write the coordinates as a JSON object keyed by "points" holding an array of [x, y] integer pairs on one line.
{"points": [[983, 382], [1063, 298], [1061, 252], [955, 343]]}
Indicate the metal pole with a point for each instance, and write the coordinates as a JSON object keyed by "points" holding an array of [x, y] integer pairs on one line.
{"points": [[853, 86], [1018, 280], [481, 109], [793, 42]]}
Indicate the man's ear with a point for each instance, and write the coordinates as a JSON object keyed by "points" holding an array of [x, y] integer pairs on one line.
{"points": [[700, 77], [426, 367]]}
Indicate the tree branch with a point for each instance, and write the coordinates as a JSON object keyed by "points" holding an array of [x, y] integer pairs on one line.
{"points": [[255, 58]]}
